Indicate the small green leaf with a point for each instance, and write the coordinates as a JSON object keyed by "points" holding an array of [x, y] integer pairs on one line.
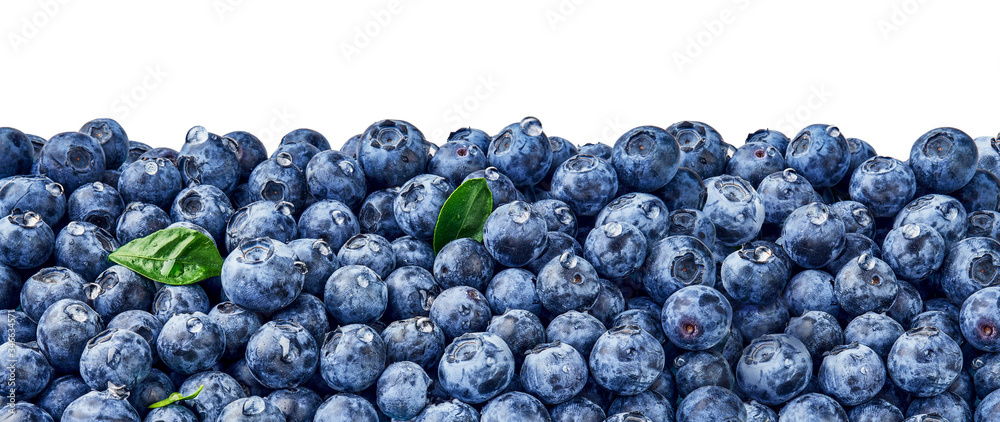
{"points": [[464, 213], [176, 397], [174, 256]]}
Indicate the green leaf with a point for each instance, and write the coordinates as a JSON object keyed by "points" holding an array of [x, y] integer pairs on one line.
{"points": [[464, 213], [176, 256], [176, 397]]}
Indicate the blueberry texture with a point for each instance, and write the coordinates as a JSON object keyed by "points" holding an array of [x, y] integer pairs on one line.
{"points": [[626, 360], [568, 283], [207, 158], [115, 359], [418, 204], [355, 295], [820, 153], [84, 248], [190, 343], [851, 374], [71, 159], [402, 390], [26, 241], [554, 372], [696, 317], [586, 183], [924, 361], [884, 185], [262, 275], [393, 152], [514, 235], [282, 354], [676, 262], [35, 193], [150, 180], [352, 357], [754, 161], [774, 368], [476, 367], [645, 158], [96, 203], [711, 403], [521, 151], [63, 331], [943, 159], [735, 208], [463, 262], [701, 146]]}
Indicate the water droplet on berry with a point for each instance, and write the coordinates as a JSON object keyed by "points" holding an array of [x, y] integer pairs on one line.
{"points": [[519, 212], [254, 405], [366, 335], [491, 174], [54, 189], [76, 229], [613, 229], [338, 217], [194, 325], [363, 281], [531, 126], [490, 361], [346, 167], [283, 159], [568, 259], [910, 231], [77, 312]]}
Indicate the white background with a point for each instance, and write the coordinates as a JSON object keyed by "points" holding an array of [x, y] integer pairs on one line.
{"points": [[883, 71]]}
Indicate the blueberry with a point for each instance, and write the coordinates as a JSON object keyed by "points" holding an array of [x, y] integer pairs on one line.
{"points": [[852, 374], [240, 196], [647, 403], [813, 236], [735, 208], [971, 265], [282, 354], [253, 408], [813, 407], [913, 251], [457, 159], [586, 183], [412, 251], [355, 294], [500, 186], [460, 310], [352, 357], [855, 245], [988, 151], [140, 219], [700, 369], [17, 147], [150, 180], [644, 211], [577, 409], [370, 250], [981, 193], [513, 288], [24, 329], [691, 222], [119, 289], [207, 158], [856, 218], [475, 136], [580, 330], [171, 300], [115, 358], [335, 175], [753, 321], [26, 370], [26, 241], [96, 203], [558, 216], [279, 179], [112, 138], [946, 406], [945, 322], [696, 317], [782, 193], [238, 324], [568, 283], [877, 331], [515, 406], [685, 190], [240, 371], [597, 149], [393, 151], [411, 290], [943, 159], [402, 390], [48, 286], [142, 323], [476, 367], [757, 412], [907, 305], [99, 406], [979, 319], [262, 275], [611, 302], [84, 248], [676, 262], [626, 360], [701, 146], [206, 206], [377, 215], [986, 372], [924, 361], [309, 312], [35, 193], [521, 330], [190, 343], [645, 158], [867, 284], [774, 368], [771, 137], [820, 153], [417, 340], [219, 390], [754, 275], [320, 261], [616, 249], [521, 151], [942, 213], [263, 219], [59, 394], [296, 404], [250, 151], [754, 161], [818, 331], [875, 410], [63, 331], [514, 235], [419, 202], [172, 413], [70, 159], [884, 185], [709, 404]]}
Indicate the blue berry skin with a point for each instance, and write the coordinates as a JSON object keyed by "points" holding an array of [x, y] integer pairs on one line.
{"points": [[820, 153], [645, 319], [924, 361], [515, 406], [84, 248], [457, 159], [945, 322], [696, 317], [520, 329], [377, 215], [856, 218], [986, 372], [615, 249], [476, 367], [356, 295], [10, 286], [580, 330], [562, 149], [877, 331], [416, 339], [577, 409], [165, 153], [818, 331], [782, 193], [63, 331], [335, 175], [907, 305], [282, 354], [735, 208], [943, 213], [476, 137], [676, 262], [71, 159], [944, 406], [553, 372], [411, 290], [59, 394], [943, 159], [219, 390], [351, 146], [851, 374], [771, 137], [514, 235], [644, 211], [33, 193], [691, 222], [988, 151], [48, 286], [119, 289], [558, 216], [240, 196], [279, 179], [597, 149], [586, 183], [402, 390], [754, 161], [813, 236], [17, 147], [753, 321], [813, 407], [418, 204], [112, 138], [685, 190], [171, 300], [626, 360], [24, 329], [140, 219], [971, 265], [754, 275], [352, 358], [702, 148], [250, 151], [370, 250], [142, 323], [567, 283], [206, 206], [296, 404], [757, 412], [309, 312], [513, 288], [238, 324], [151, 180], [521, 151], [346, 408], [24, 412], [393, 151], [207, 158], [460, 310], [240, 371], [647, 403], [26, 241], [979, 320], [501, 187], [118, 358], [320, 261], [884, 185], [96, 203], [610, 303], [633, 416], [190, 343], [774, 368], [308, 136], [463, 262], [264, 219], [875, 410], [981, 193], [100, 406], [866, 284], [26, 370], [710, 404], [700, 369], [557, 244], [645, 158], [253, 408], [914, 251], [263, 275], [412, 251]]}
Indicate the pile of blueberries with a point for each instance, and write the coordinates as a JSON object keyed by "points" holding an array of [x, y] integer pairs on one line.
{"points": [[669, 277]]}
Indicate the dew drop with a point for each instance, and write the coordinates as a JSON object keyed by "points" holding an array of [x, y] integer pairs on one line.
{"points": [[346, 167], [254, 405], [54, 189], [194, 325], [366, 335], [76, 229], [338, 217], [613, 229], [910, 231], [363, 281], [490, 361], [77, 312], [283, 159], [519, 212], [531, 126]]}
